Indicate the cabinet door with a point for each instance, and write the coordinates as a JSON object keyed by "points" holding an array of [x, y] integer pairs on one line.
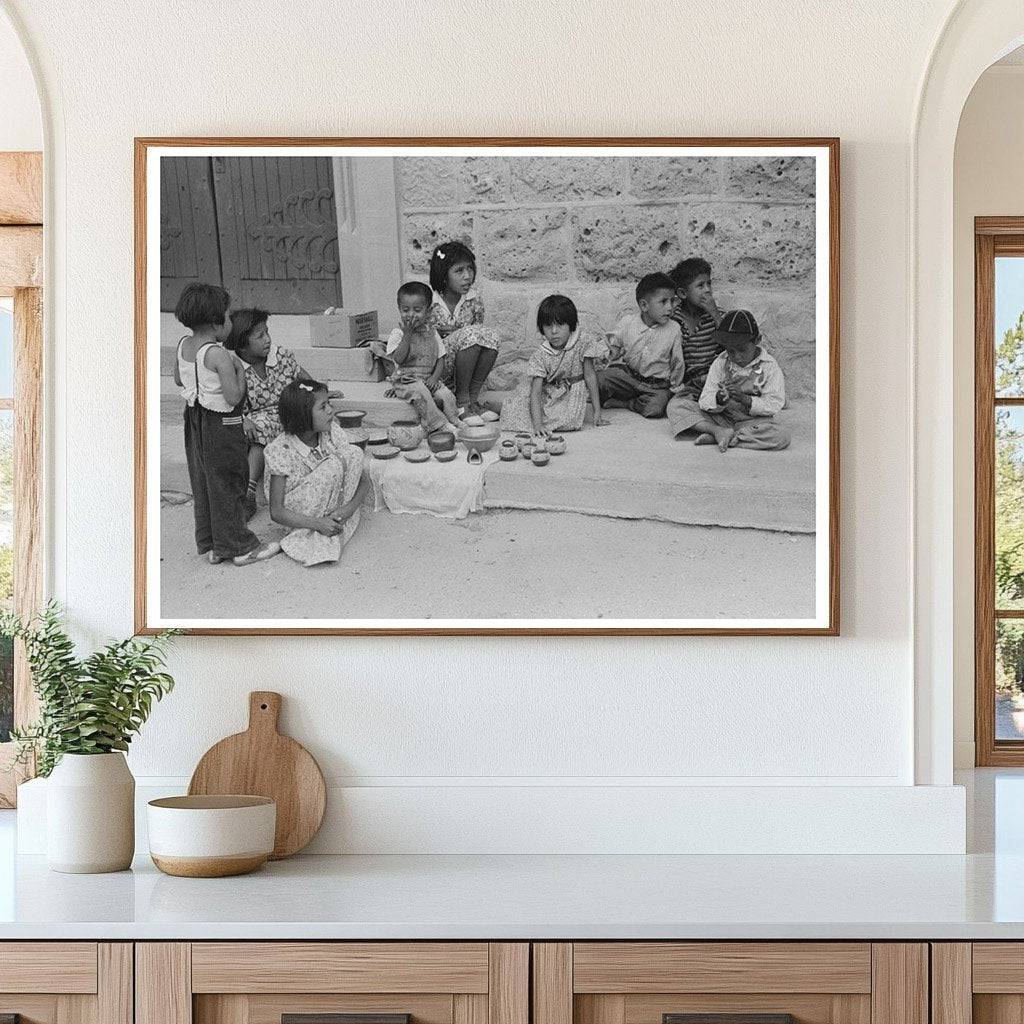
{"points": [[737, 982], [332, 983], [66, 982], [980, 982]]}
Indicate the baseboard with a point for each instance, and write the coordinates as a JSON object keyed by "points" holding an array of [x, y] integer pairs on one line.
{"points": [[601, 819]]}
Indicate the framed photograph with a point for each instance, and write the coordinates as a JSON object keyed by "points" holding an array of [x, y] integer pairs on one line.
{"points": [[487, 386]]}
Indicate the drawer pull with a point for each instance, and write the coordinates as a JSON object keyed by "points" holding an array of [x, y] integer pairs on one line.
{"points": [[728, 1018], [341, 1018]]}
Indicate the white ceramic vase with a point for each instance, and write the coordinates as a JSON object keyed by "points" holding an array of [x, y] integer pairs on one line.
{"points": [[90, 814]]}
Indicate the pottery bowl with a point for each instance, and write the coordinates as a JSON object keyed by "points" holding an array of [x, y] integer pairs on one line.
{"points": [[479, 439], [211, 836], [382, 451], [444, 456], [556, 444], [350, 417], [540, 457], [441, 441], [405, 434]]}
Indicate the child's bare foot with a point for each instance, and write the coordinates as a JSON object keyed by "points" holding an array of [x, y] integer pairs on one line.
{"points": [[723, 436], [259, 555], [214, 559]]}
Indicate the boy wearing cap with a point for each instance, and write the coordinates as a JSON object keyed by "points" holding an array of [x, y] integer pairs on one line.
{"points": [[646, 352], [741, 396]]}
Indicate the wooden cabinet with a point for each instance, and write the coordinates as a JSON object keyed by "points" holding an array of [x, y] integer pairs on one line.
{"points": [[979, 982], [646, 982], [261, 982], [66, 982]]}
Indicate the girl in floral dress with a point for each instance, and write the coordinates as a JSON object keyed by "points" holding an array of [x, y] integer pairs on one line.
{"points": [[553, 394], [458, 316], [269, 370], [316, 481]]}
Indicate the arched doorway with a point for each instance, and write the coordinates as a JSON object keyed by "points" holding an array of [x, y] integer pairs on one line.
{"points": [[976, 34]]}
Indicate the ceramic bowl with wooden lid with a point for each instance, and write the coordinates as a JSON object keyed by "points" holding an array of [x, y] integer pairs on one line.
{"points": [[211, 836]]}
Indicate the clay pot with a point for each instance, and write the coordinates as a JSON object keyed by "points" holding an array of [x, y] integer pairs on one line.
{"points": [[357, 436], [350, 417], [527, 449], [444, 456], [508, 452], [441, 441], [406, 434], [523, 439], [556, 445], [540, 456]]}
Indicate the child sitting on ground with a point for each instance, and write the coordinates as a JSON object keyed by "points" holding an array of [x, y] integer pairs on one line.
{"points": [[559, 375], [317, 485], [418, 355], [697, 314], [743, 391], [646, 352], [269, 370]]}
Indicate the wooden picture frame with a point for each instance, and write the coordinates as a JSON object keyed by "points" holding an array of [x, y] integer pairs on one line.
{"points": [[825, 620]]}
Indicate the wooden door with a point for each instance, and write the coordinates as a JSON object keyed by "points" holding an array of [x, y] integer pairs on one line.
{"points": [[730, 983], [189, 248], [278, 232], [304, 982], [66, 982]]}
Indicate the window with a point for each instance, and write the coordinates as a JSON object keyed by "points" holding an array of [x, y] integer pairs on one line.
{"points": [[999, 491], [6, 510]]}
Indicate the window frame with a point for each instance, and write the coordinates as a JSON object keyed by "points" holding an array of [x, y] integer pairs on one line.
{"points": [[993, 237], [21, 260]]}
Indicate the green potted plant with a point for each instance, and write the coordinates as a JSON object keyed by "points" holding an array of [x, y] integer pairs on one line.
{"points": [[89, 710]]}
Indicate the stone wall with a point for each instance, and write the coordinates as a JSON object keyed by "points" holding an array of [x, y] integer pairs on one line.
{"points": [[590, 227]]}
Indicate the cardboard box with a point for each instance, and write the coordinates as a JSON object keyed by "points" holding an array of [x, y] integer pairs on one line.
{"points": [[344, 328]]}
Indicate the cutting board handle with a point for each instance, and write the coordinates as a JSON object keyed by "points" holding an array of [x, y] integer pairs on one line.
{"points": [[264, 710]]}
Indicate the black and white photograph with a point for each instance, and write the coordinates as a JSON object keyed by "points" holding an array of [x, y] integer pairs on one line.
{"points": [[454, 386]]}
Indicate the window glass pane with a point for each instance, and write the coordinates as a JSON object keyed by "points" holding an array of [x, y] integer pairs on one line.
{"points": [[1009, 322], [1009, 679], [1009, 484], [6, 567], [6, 349]]}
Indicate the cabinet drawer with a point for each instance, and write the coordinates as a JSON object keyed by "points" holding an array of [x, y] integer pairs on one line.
{"points": [[749, 982], [635, 967], [48, 967], [340, 967], [262, 982]]}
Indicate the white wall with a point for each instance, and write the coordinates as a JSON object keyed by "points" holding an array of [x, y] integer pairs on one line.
{"points": [[988, 181], [450, 712], [21, 124]]}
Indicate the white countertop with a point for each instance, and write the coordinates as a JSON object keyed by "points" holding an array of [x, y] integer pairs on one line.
{"points": [[977, 896], [532, 897]]}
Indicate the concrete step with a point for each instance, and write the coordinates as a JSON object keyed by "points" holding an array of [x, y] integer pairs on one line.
{"points": [[344, 364], [354, 364], [635, 469]]}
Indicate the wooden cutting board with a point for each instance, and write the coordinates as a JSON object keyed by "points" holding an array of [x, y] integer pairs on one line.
{"points": [[262, 762]]}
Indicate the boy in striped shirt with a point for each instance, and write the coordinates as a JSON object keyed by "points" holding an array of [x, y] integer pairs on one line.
{"points": [[698, 315]]}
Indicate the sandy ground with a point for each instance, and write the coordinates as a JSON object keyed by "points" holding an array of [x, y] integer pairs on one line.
{"points": [[1009, 719], [491, 565]]}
